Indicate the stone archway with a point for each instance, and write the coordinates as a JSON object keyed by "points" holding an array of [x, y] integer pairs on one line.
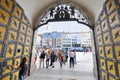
{"points": [[87, 15], [47, 8], [106, 36]]}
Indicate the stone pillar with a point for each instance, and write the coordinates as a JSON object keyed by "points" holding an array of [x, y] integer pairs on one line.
{"points": [[95, 71], [33, 66]]}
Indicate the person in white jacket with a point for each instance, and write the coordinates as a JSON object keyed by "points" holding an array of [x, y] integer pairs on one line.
{"points": [[71, 55]]}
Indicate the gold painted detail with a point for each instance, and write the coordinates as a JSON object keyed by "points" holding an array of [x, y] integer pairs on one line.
{"points": [[4, 17], [1, 59], [5, 42]]}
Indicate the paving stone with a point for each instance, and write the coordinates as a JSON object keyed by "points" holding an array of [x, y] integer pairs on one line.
{"points": [[81, 71]]}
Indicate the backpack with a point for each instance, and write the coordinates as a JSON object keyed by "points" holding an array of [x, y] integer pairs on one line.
{"points": [[62, 58]]}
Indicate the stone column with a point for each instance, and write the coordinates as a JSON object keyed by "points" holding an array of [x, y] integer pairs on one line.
{"points": [[95, 69]]}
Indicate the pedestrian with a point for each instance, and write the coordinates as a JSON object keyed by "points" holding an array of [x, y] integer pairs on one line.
{"points": [[23, 68], [61, 58], [71, 55], [52, 57], [36, 54], [85, 51], [66, 56], [42, 57], [75, 59], [47, 58]]}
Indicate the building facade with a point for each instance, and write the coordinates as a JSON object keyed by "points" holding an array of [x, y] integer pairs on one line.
{"points": [[66, 40]]}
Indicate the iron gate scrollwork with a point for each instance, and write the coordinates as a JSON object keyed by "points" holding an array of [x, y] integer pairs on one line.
{"points": [[63, 12]]}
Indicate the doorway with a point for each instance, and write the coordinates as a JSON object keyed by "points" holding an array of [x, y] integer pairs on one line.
{"points": [[66, 12]]}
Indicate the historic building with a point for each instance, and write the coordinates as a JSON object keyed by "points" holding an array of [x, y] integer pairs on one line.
{"points": [[66, 40]]}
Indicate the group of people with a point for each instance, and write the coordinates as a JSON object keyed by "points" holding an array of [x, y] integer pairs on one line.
{"points": [[49, 56]]}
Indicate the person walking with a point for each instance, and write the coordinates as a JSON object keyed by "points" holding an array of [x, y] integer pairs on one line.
{"points": [[71, 55], [36, 54], [47, 58], [42, 57], [75, 58], [23, 68], [66, 56], [61, 58], [52, 57]]}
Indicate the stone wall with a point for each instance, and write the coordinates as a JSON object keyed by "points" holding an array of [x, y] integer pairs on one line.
{"points": [[107, 33], [15, 38]]}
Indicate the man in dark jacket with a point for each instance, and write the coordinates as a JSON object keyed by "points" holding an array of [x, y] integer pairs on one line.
{"points": [[52, 57], [42, 57]]}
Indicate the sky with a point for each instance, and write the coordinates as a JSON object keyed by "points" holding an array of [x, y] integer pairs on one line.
{"points": [[66, 26]]}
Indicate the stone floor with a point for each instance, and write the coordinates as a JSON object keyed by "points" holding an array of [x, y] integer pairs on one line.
{"points": [[81, 71]]}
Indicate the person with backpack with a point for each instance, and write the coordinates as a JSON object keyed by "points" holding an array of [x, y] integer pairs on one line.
{"points": [[42, 57]]}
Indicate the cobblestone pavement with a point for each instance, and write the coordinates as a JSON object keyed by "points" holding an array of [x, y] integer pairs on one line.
{"points": [[81, 71]]}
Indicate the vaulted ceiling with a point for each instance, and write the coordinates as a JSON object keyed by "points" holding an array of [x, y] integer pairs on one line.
{"points": [[33, 8]]}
